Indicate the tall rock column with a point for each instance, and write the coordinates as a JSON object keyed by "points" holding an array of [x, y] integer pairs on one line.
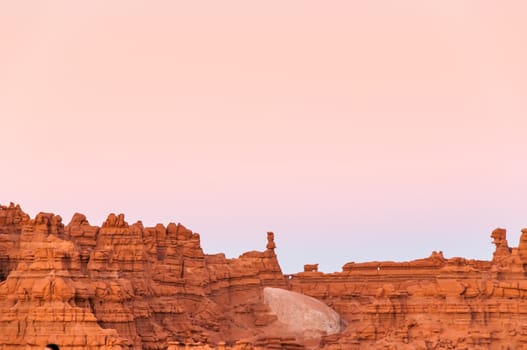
{"points": [[522, 246]]}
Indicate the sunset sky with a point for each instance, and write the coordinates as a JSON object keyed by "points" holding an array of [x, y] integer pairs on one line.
{"points": [[355, 130]]}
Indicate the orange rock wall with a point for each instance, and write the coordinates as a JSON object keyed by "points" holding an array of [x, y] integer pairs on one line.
{"points": [[432, 303], [122, 286]]}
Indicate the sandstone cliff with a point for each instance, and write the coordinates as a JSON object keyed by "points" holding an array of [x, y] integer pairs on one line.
{"points": [[126, 286]]}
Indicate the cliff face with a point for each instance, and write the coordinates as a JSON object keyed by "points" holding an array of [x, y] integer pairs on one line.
{"points": [[122, 286], [431, 303]]}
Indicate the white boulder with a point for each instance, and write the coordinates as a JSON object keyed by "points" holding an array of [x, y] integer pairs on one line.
{"points": [[302, 314]]}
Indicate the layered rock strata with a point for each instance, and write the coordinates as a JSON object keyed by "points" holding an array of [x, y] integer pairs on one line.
{"points": [[126, 286], [431, 303]]}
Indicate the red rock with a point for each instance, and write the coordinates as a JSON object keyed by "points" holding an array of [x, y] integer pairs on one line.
{"points": [[125, 286]]}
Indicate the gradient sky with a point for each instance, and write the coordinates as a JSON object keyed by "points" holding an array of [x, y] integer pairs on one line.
{"points": [[355, 130]]}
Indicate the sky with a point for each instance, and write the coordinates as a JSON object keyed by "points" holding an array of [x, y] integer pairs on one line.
{"points": [[355, 130]]}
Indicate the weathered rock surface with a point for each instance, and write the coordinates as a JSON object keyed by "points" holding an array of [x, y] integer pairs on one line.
{"points": [[126, 286], [304, 316]]}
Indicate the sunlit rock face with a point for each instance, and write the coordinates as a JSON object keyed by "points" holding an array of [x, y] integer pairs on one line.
{"points": [[302, 314], [124, 286]]}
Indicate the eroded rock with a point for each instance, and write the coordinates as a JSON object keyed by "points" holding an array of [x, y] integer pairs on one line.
{"points": [[126, 286], [302, 315]]}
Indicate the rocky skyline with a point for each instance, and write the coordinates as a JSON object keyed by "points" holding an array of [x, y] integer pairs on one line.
{"points": [[126, 286]]}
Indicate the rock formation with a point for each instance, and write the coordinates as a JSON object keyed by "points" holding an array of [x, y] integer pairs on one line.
{"points": [[126, 286], [304, 316]]}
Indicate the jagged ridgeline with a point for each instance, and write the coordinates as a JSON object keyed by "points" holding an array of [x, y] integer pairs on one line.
{"points": [[122, 286]]}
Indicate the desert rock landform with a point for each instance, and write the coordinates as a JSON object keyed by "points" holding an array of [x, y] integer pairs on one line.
{"points": [[126, 286]]}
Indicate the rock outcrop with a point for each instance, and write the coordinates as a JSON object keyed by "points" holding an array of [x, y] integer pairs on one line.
{"points": [[126, 286], [303, 316]]}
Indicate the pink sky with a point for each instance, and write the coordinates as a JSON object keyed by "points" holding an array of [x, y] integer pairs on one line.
{"points": [[356, 130]]}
